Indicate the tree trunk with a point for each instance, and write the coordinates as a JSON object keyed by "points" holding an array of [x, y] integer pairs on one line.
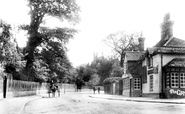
{"points": [[122, 59]]}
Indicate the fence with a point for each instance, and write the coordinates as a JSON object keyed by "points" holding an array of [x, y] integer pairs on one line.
{"points": [[16, 85], [17, 88]]}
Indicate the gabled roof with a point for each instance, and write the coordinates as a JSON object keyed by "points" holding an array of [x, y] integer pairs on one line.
{"points": [[171, 45], [133, 55], [175, 42], [177, 62], [171, 42]]}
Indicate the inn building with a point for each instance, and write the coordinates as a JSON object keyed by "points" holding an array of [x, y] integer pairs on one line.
{"points": [[164, 69], [157, 72]]}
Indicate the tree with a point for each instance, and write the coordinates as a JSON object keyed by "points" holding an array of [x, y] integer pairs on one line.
{"points": [[85, 72], [102, 67], [121, 42], [95, 79], [10, 53], [44, 37], [116, 70]]}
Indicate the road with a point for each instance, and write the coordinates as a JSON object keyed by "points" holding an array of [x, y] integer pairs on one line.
{"points": [[81, 103]]}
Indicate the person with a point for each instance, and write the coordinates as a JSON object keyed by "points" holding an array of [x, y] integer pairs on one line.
{"points": [[53, 89], [94, 89], [98, 89], [57, 87]]}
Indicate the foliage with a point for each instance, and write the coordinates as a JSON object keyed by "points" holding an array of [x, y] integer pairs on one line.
{"points": [[72, 75], [94, 73], [117, 72], [84, 72], [112, 80], [95, 79], [103, 67], [39, 9], [10, 53], [46, 48]]}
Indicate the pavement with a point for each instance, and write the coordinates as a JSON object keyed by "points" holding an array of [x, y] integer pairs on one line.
{"points": [[137, 99]]}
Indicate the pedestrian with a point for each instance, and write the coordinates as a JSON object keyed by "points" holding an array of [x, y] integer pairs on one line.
{"points": [[53, 89], [94, 89], [57, 89], [98, 89]]}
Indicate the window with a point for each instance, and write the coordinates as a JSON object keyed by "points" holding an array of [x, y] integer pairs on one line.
{"points": [[150, 62], [174, 80], [182, 80], [137, 83], [151, 83]]}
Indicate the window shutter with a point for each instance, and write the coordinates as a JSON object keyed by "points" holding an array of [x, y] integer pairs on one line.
{"points": [[144, 74]]}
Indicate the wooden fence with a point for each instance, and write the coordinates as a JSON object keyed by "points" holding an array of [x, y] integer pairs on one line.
{"points": [[17, 88]]}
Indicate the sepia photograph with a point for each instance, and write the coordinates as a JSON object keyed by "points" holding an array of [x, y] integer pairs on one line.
{"points": [[92, 57]]}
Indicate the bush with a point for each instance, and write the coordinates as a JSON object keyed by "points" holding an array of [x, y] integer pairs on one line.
{"points": [[111, 80]]}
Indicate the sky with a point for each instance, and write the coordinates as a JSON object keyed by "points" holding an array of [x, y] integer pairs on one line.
{"points": [[99, 18]]}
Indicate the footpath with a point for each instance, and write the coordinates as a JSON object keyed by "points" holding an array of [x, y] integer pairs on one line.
{"points": [[137, 99]]}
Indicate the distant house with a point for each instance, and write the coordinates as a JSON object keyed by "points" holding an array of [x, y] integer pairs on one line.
{"points": [[132, 77], [164, 69]]}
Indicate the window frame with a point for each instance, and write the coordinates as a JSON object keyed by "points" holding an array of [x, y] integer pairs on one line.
{"points": [[137, 84], [174, 79], [151, 84], [182, 80]]}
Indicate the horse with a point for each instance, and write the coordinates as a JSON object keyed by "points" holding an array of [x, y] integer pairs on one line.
{"points": [[51, 89]]}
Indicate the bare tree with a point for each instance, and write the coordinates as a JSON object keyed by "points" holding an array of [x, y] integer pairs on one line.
{"points": [[121, 42]]}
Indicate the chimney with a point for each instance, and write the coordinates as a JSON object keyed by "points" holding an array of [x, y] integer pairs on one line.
{"points": [[141, 43], [167, 27]]}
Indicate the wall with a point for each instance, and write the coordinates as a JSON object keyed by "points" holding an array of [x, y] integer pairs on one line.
{"points": [[113, 88], [108, 88], [126, 87], [156, 76]]}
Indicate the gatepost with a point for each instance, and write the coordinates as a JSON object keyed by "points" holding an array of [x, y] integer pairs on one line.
{"points": [[4, 86]]}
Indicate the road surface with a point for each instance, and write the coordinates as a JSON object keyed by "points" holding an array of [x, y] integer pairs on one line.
{"points": [[81, 103]]}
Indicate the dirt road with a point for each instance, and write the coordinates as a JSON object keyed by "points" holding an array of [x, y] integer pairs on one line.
{"points": [[81, 103]]}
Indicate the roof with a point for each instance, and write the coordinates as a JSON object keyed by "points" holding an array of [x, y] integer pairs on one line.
{"points": [[133, 55], [171, 42], [177, 62], [170, 50], [175, 42], [171, 45], [161, 43]]}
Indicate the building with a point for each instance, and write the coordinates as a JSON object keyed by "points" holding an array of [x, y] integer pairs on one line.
{"points": [[160, 71], [132, 76], [164, 69]]}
